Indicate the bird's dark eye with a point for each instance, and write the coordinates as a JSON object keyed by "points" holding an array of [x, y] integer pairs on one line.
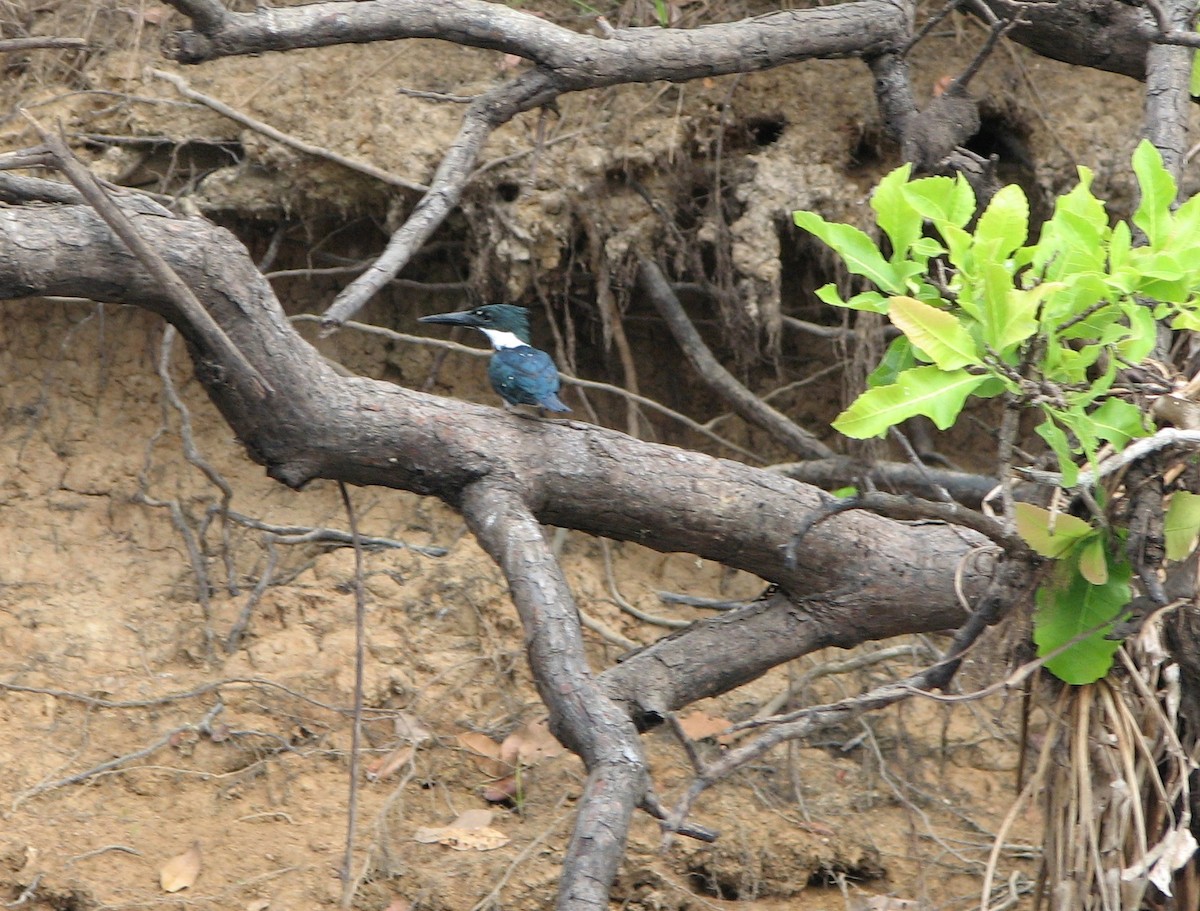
{"points": [[483, 314]]}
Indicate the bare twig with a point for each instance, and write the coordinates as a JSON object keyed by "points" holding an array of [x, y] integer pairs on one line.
{"points": [[279, 136], [798, 440], [234, 639], [199, 319], [10, 45], [307, 534], [360, 635], [191, 452], [1168, 436], [204, 724]]}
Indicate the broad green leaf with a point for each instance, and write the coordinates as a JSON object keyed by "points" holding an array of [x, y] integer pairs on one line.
{"points": [[958, 245], [1186, 319], [1016, 321], [1049, 534], [1071, 241], [1118, 422], [856, 249], [936, 332], [1093, 560], [1185, 221], [943, 200], [894, 213], [1181, 526], [1056, 439], [935, 393], [1143, 332], [1079, 292], [1004, 224], [1069, 606], [843, 493], [866, 300], [1158, 191]]}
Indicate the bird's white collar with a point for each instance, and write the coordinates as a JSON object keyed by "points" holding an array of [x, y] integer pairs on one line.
{"points": [[502, 340]]}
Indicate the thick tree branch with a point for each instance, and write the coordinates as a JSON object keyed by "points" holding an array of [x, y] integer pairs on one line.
{"points": [[845, 583], [1168, 74], [924, 480], [566, 61], [576, 60], [484, 114], [581, 715]]}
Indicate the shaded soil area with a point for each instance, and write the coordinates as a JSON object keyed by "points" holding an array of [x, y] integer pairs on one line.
{"points": [[132, 727]]}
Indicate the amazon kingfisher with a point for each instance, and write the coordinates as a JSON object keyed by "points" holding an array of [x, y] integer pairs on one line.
{"points": [[520, 373]]}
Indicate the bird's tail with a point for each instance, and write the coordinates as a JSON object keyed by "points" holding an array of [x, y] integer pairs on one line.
{"points": [[553, 403]]}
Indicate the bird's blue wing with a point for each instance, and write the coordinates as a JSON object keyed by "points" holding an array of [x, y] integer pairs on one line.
{"points": [[526, 376]]}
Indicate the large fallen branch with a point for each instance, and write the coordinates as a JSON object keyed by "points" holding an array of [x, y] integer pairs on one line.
{"points": [[855, 577]]}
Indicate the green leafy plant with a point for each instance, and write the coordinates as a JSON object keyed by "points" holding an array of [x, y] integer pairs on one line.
{"points": [[1048, 325]]}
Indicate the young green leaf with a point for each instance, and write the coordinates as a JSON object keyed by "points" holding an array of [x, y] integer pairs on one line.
{"points": [[1069, 606], [1049, 534], [865, 300], [1118, 422], [1004, 224], [938, 394], [943, 200], [1181, 526], [1158, 191], [1056, 439], [856, 249], [894, 213], [936, 332]]}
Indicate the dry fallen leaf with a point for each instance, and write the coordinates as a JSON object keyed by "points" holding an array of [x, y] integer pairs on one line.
{"points": [[476, 818], [470, 832], [529, 743], [181, 871], [485, 753], [500, 791], [389, 764]]}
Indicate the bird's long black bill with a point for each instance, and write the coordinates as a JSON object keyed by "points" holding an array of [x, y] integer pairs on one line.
{"points": [[461, 318]]}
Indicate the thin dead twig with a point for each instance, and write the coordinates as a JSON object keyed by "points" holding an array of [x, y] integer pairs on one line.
{"points": [[1168, 436], [308, 534], [182, 296], [203, 725], [491, 900], [238, 630], [749, 406], [11, 45], [191, 452], [360, 635], [279, 136], [618, 598]]}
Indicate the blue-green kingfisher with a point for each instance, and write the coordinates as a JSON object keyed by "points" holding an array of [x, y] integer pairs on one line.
{"points": [[520, 373]]}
